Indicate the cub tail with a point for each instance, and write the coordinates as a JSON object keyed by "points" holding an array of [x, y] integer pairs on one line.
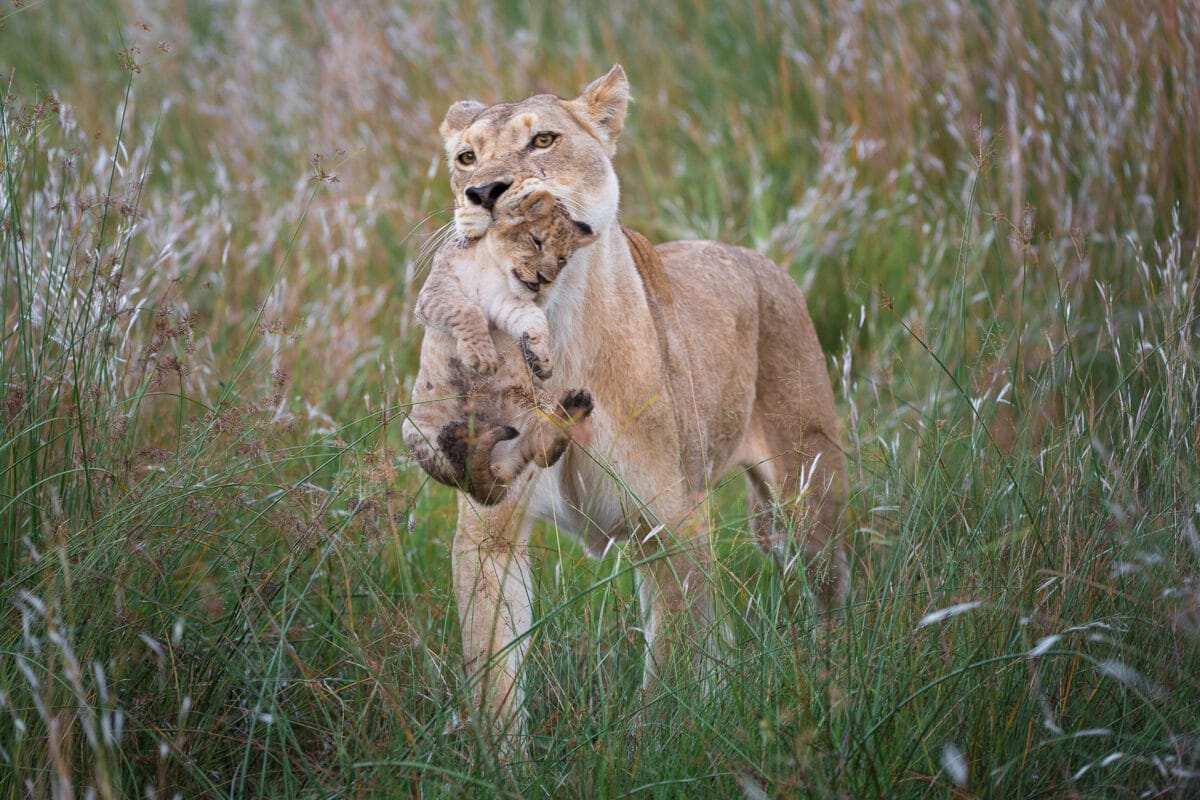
{"points": [[461, 458]]}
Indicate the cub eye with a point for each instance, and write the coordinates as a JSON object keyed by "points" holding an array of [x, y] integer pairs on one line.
{"points": [[536, 242], [544, 139], [562, 262], [466, 158]]}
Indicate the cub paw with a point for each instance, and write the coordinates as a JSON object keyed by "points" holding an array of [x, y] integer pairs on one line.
{"points": [[452, 441], [501, 470], [577, 404], [480, 357], [537, 355], [506, 433]]}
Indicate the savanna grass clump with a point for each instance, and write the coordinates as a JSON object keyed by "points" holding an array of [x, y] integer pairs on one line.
{"points": [[220, 576], [153, 533]]}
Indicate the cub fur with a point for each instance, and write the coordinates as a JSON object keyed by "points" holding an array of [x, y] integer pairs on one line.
{"points": [[497, 281], [477, 420]]}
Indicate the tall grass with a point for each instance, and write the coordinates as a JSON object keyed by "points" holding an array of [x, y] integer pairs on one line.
{"points": [[222, 576]]}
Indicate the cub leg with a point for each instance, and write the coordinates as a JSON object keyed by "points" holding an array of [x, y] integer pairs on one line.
{"points": [[527, 324], [470, 453], [544, 436], [428, 455], [444, 307]]}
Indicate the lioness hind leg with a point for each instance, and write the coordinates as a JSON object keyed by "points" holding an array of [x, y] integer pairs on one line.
{"points": [[823, 486], [796, 501]]}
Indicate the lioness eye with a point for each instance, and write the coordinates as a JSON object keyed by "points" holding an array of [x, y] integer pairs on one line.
{"points": [[536, 242], [544, 139], [466, 158]]}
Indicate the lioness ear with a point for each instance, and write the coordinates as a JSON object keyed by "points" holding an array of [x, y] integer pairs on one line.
{"points": [[604, 102], [584, 235], [458, 117]]}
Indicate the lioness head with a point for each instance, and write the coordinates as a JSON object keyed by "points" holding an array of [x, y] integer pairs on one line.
{"points": [[533, 236], [563, 146]]}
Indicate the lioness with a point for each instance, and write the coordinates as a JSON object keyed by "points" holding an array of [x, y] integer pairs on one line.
{"points": [[701, 358], [477, 421]]}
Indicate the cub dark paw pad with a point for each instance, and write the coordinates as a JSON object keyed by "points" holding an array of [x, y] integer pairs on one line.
{"points": [[452, 441], [536, 364], [578, 403]]}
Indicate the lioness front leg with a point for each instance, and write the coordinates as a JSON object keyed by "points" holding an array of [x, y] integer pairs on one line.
{"points": [[492, 586], [676, 598]]}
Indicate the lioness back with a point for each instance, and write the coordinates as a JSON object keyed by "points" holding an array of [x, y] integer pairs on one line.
{"points": [[741, 340]]}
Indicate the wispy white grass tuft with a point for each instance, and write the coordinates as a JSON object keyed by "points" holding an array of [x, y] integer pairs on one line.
{"points": [[955, 764], [941, 614]]}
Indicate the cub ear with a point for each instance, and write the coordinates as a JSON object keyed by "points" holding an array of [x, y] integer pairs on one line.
{"points": [[584, 235], [604, 102], [458, 117], [536, 205]]}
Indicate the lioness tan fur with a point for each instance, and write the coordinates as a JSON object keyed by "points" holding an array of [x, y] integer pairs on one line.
{"points": [[703, 364], [477, 420]]}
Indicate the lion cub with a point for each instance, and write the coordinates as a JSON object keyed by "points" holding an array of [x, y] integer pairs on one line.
{"points": [[497, 279], [477, 420]]}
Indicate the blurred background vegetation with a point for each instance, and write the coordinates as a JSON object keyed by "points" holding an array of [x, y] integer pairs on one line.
{"points": [[222, 576]]}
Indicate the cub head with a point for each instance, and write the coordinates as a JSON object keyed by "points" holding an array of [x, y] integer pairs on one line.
{"points": [[534, 236], [562, 146]]}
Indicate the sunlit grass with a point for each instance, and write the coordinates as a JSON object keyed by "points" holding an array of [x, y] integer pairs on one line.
{"points": [[221, 576]]}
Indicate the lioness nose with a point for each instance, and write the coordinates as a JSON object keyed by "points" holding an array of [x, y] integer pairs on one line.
{"points": [[487, 194]]}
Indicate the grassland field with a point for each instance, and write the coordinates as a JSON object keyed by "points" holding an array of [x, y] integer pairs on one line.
{"points": [[221, 576]]}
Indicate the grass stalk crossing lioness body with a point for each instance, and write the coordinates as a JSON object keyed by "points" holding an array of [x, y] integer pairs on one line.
{"points": [[701, 359]]}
